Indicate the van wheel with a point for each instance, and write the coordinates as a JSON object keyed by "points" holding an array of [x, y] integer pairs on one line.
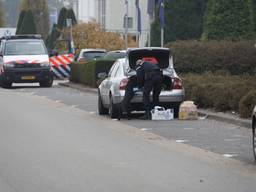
{"points": [[101, 109], [113, 110], [6, 84], [46, 83]]}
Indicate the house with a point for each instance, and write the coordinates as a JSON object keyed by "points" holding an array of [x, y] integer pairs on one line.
{"points": [[110, 14]]}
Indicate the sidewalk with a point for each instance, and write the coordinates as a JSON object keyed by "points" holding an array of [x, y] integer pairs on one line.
{"points": [[219, 116]]}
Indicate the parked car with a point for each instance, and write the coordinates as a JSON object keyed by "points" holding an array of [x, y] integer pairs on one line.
{"points": [[91, 54], [253, 131], [111, 91], [24, 59], [114, 55]]}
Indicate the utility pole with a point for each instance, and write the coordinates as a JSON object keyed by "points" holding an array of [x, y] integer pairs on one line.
{"points": [[126, 24]]}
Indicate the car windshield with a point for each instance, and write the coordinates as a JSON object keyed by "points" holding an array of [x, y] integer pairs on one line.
{"points": [[25, 48], [93, 55]]}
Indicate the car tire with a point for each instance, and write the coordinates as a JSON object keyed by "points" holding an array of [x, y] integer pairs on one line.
{"points": [[254, 138], [6, 84], [101, 109], [47, 83], [113, 109]]}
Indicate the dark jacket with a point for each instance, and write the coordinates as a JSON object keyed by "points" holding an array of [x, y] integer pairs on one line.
{"points": [[143, 70]]}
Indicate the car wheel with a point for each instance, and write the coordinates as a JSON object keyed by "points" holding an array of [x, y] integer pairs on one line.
{"points": [[101, 109], [113, 110], [6, 84], [254, 138], [47, 83]]}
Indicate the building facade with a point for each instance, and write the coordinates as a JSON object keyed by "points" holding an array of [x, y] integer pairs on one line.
{"points": [[110, 14]]}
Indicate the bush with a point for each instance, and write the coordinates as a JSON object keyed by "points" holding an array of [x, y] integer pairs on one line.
{"points": [[235, 58], [247, 104], [87, 73], [220, 92]]}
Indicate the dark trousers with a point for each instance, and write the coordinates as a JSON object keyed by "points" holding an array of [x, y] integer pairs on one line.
{"points": [[154, 83], [129, 93]]}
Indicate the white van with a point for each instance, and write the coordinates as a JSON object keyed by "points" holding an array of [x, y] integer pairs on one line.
{"points": [[24, 59]]}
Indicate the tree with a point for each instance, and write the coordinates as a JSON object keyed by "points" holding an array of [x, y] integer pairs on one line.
{"points": [[40, 11], [183, 20], [28, 25], [71, 15], [61, 25], [1, 15], [229, 20], [93, 36], [52, 38], [62, 18], [21, 18]]}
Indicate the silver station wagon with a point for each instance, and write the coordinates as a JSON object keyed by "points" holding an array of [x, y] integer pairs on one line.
{"points": [[111, 91], [253, 131]]}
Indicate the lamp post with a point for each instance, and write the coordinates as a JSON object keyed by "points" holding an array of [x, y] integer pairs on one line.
{"points": [[126, 24]]}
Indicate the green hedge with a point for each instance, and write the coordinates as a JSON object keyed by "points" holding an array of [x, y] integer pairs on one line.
{"points": [[87, 73], [247, 104], [235, 58], [221, 92]]}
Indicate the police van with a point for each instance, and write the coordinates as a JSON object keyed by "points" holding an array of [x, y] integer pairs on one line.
{"points": [[24, 59]]}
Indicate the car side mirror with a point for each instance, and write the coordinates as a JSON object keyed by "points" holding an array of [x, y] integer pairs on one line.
{"points": [[102, 75]]}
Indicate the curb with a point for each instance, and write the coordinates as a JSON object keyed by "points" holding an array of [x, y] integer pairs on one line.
{"points": [[226, 119], [223, 117], [79, 87]]}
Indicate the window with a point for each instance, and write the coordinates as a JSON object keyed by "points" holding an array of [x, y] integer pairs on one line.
{"points": [[119, 71], [25, 48], [112, 70], [1, 48], [93, 55]]}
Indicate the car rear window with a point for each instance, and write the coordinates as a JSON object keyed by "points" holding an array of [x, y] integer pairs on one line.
{"points": [[115, 55], [93, 55], [25, 48]]}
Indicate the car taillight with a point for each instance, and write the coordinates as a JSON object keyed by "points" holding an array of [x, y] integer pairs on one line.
{"points": [[177, 83], [123, 84]]}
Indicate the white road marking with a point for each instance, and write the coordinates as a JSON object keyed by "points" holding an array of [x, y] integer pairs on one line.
{"points": [[229, 155], [182, 141], [145, 129], [92, 112], [58, 101]]}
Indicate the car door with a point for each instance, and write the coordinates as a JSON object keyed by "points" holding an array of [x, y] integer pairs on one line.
{"points": [[106, 84]]}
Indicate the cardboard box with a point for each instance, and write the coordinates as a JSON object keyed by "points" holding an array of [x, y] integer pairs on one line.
{"points": [[188, 111]]}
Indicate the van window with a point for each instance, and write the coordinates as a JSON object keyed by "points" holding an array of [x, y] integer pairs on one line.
{"points": [[25, 48]]}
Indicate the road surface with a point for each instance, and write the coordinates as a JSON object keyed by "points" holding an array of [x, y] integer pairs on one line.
{"points": [[50, 145]]}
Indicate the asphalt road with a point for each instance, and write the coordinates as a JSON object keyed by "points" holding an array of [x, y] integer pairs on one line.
{"points": [[228, 140], [52, 140]]}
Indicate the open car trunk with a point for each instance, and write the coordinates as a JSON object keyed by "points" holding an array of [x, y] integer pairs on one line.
{"points": [[160, 55]]}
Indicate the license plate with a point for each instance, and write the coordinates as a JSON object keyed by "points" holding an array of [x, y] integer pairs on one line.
{"points": [[28, 77]]}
